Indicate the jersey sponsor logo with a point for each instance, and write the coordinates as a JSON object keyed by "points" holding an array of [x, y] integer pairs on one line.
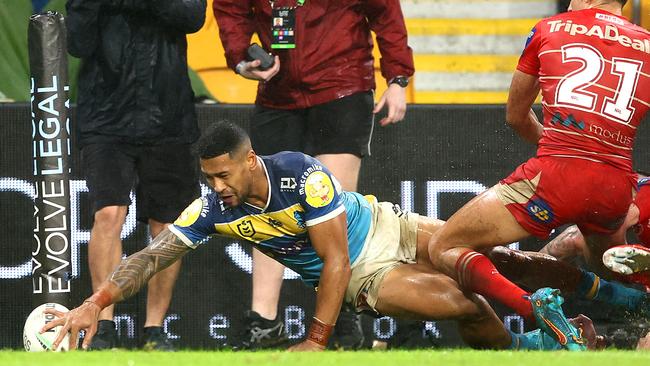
{"points": [[616, 135], [610, 18], [306, 174], [609, 32], [287, 183], [570, 121], [190, 214], [539, 210], [319, 189], [246, 229], [567, 122]]}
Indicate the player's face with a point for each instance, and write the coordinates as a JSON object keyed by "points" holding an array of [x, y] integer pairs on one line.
{"points": [[229, 176]]}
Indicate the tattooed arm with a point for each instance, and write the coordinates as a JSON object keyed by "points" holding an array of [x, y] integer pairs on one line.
{"points": [[566, 246], [127, 279], [136, 270]]}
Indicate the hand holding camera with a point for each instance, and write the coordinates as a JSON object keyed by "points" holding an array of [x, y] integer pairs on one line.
{"points": [[260, 64]]}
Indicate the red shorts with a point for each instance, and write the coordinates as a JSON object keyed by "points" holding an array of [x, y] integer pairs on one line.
{"points": [[547, 192]]}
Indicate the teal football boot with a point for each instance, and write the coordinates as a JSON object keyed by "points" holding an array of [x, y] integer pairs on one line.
{"points": [[547, 309]]}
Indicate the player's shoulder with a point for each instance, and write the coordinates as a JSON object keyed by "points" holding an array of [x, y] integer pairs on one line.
{"points": [[199, 210], [289, 161]]}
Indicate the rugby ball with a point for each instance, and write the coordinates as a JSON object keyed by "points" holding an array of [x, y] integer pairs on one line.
{"points": [[36, 342]]}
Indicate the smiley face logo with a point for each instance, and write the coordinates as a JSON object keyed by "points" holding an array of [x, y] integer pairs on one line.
{"points": [[319, 189]]}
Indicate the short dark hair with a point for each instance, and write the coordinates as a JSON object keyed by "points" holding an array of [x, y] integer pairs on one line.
{"points": [[622, 2], [221, 138]]}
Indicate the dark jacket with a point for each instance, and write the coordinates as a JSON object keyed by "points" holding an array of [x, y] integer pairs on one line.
{"points": [[133, 82], [333, 54]]}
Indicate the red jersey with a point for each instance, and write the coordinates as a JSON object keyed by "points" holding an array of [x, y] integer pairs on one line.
{"points": [[333, 55], [594, 74], [642, 201]]}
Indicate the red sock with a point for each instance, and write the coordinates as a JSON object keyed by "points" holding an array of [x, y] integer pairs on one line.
{"points": [[477, 273]]}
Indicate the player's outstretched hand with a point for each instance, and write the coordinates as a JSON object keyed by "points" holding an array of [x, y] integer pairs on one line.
{"points": [[83, 317], [395, 99], [306, 346]]}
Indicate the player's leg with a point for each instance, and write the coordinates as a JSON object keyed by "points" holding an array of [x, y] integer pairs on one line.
{"points": [[416, 291], [482, 223], [338, 135], [535, 270], [109, 172], [427, 227], [168, 183]]}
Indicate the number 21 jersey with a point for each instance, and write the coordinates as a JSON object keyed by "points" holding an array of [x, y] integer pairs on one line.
{"points": [[594, 73]]}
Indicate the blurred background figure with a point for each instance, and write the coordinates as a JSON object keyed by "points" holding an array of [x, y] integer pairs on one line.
{"points": [[135, 124]]}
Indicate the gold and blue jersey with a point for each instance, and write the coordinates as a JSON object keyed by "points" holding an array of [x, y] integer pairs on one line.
{"points": [[302, 193]]}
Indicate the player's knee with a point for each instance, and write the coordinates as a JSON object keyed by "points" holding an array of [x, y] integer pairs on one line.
{"points": [[436, 248], [109, 219]]}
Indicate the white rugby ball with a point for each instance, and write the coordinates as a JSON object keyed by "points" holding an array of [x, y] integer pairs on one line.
{"points": [[36, 342]]}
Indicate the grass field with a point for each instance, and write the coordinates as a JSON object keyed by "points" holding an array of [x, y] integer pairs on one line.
{"points": [[367, 358]]}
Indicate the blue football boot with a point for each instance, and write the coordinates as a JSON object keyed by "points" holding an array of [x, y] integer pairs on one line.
{"points": [[547, 309]]}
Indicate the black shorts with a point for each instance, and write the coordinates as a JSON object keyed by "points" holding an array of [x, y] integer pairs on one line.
{"points": [[165, 178], [341, 126]]}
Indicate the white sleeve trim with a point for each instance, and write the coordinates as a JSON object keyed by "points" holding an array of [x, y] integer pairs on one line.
{"points": [[182, 236], [326, 217]]}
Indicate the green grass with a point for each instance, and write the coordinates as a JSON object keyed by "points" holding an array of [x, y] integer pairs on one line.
{"points": [[366, 358]]}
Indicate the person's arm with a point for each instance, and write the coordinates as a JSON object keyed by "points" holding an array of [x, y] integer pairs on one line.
{"points": [[236, 27], [82, 26], [185, 15], [524, 89], [330, 242], [386, 20], [127, 279], [568, 245]]}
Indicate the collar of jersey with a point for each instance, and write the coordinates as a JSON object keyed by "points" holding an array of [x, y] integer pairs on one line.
{"points": [[268, 182]]}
